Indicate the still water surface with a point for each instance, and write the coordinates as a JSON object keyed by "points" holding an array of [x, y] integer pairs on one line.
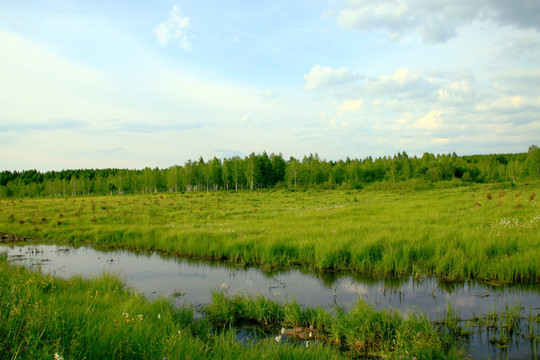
{"points": [[155, 275]]}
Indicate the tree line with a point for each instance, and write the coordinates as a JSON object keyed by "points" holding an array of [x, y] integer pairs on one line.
{"points": [[263, 171]]}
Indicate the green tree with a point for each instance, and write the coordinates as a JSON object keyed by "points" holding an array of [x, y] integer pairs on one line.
{"points": [[278, 165], [215, 173], [532, 162], [173, 178]]}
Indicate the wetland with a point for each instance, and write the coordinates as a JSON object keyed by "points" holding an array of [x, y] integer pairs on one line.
{"points": [[455, 306], [436, 274]]}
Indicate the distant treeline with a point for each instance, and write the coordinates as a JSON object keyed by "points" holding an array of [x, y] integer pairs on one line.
{"points": [[259, 171]]}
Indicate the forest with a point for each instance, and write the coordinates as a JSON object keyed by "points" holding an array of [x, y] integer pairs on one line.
{"points": [[263, 171]]}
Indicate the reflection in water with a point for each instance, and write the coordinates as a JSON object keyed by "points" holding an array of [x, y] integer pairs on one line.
{"points": [[165, 276]]}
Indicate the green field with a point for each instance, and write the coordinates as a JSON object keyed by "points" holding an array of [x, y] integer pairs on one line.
{"points": [[484, 232]]}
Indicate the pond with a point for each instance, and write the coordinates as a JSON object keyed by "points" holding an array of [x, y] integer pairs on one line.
{"points": [[191, 281]]}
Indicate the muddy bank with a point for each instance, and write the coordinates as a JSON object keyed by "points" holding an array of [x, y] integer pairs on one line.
{"points": [[8, 238]]}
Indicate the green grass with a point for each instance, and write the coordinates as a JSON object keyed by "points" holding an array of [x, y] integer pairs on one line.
{"points": [[361, 331], [99, 319], [480, 232]]}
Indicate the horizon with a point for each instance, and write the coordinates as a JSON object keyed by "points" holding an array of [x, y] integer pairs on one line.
{"points": [[128, 86]]}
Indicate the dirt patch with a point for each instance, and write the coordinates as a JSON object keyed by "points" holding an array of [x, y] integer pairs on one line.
{"points": [[7, 238]]}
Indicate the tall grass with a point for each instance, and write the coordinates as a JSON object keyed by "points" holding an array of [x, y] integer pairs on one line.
{"points": [[360, 331], [99, 319], [457, 233], [96, 318]]}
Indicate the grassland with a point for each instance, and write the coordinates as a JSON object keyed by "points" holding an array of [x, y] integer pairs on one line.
{"points": [[490, 233], [43, 317]]}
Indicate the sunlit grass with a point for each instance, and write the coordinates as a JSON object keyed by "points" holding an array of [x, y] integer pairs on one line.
{"points": [[359, 331], [457, 233], [43, 317]]}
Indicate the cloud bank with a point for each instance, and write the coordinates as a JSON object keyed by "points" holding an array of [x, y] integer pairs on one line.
{"points": [[436, 21]]}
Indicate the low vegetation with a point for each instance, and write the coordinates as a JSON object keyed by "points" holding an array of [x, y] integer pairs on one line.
{"points": [[485, 232], [43, 317]]}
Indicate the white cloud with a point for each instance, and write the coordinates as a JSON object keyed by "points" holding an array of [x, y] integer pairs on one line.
{"points": [[401, 77], [436, 21], [440, 141], [175, 28], [510, 104], [244, 119], [457, 92], [321, 77], [350, 107], [402, 83], [433, 120]]}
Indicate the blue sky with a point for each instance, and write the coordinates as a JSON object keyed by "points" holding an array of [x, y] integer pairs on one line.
{"points": [[133, 84]]}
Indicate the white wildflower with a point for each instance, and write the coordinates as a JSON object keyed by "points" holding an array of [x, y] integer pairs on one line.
{"points": [[283, 330], [278, 338], [58, 356], [159, 316]]}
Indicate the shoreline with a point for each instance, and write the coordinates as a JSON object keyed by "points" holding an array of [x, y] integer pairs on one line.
{"points": [[9, 238]]}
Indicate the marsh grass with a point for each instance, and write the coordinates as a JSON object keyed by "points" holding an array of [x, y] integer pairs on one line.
{"points": [[501, 327], [99, 319], [389, 233], [360, 331]]}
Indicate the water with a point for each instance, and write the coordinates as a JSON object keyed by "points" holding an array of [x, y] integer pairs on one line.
{"points": [[191, 281]]}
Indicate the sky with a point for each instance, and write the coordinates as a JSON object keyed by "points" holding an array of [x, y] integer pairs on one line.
{"points": [[131, 84]]}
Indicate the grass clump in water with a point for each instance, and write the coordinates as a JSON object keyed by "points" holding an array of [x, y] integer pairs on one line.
{"points": [[360, 331]]}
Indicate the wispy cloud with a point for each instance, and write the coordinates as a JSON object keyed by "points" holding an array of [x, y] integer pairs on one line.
{"points": [[174, 29], [228, 153], [322, 77], [403, 83], [110, 150], [53, 125], [140, 127], [265, 78]]}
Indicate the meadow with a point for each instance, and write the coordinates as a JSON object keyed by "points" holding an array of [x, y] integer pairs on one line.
{"points": [[484, 232]]}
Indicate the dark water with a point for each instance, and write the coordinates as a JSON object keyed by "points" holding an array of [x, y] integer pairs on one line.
{"points": [[191, 281]]}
